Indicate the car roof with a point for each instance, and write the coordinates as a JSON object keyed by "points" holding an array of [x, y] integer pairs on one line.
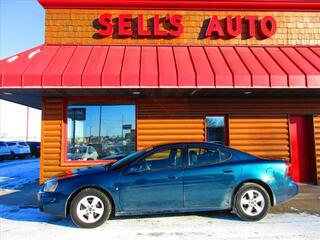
{"points": [[180, 144]]}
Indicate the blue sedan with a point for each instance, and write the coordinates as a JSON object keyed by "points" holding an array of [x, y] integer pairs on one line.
{"points": [[180, 177]]}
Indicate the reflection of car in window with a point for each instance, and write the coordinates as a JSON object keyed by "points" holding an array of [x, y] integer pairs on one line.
{"points": [[82, 153], [4, 151], [19, 149]]}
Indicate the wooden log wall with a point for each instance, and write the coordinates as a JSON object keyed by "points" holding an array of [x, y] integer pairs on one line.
{"points": [[264, 136]]}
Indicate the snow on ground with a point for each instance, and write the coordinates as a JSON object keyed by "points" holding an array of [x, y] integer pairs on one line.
{"points": [[19, 221], [15, 174], [30, 224]]}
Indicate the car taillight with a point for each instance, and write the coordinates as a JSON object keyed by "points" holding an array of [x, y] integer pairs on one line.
{"points": [[288, 169]]}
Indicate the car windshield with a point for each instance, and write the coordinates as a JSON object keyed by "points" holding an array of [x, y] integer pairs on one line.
{"points": [[127, 160], [76, 150]]}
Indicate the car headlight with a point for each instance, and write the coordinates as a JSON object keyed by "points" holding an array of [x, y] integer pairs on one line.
{"points": [[50, 186]]}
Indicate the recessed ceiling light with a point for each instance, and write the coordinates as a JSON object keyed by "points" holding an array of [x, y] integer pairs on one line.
{"points": [[136, 93], [247, 93], [7, 93]]}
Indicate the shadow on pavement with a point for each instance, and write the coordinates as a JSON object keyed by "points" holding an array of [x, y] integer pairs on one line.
{"points": [[21, 205], [225, 215]]}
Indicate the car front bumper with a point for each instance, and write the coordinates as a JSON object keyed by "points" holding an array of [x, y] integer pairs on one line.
{"points": [[53, 203]]}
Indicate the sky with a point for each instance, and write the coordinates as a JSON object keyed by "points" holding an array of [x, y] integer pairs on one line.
{"points": [[13, 122], [21, 26]]}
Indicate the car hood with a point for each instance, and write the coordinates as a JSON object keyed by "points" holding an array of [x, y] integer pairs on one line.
{"points": [[82, 171], [89, 170]]}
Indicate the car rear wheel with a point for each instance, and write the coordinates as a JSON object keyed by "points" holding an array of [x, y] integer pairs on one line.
{"points": [[252, 202], [90, 208]]}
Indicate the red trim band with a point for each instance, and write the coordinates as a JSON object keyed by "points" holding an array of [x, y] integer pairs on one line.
{"points": [[282, 5]]}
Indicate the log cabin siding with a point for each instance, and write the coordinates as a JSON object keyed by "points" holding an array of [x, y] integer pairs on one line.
{"points": [[264, 136], [164, 121], [51, 138], [158, 131]]}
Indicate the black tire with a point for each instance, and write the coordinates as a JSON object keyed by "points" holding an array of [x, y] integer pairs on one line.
{"points": [[12, 156], [85, 193], [240, 211]]}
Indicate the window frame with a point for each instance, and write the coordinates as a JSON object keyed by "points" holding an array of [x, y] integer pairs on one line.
{"points": [[94, 101], [204, 165], [226, 127]]}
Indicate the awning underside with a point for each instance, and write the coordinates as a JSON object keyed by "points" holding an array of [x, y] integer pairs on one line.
{"points": [[67, 66]]}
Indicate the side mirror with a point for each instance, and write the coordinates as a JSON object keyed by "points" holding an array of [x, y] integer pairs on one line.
{"points": [[134, 170]]}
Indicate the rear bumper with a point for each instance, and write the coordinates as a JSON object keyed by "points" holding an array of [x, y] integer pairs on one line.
{"points": [[52, 203], [286, 193], [5, 155], [22, 153]]}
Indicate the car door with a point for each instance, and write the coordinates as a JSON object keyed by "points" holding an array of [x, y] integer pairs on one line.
{"points": [[209, 177], [154, 183]]}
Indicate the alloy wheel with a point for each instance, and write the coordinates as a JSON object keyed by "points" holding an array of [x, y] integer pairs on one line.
{"points": [[90, 209], [252, 202]]}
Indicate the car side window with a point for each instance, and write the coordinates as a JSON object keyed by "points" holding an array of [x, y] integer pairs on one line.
{"points": [[198, 156], [90, 150], [161, 160]]}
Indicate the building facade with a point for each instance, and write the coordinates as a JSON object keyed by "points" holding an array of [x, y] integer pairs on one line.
{"points": [[114, 77]]}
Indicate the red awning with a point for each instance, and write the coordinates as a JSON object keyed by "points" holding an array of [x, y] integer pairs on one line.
{"points": [[51, 66]]}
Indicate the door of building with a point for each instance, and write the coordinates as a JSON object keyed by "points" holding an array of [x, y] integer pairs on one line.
{"points": [[302, 150]]}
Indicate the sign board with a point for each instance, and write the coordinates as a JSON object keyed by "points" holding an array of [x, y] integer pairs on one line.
{"points": [[126, 126], [171, 26], [77, 114]]}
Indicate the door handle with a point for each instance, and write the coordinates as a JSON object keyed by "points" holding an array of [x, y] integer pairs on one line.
{"points": [[172, 177], [227, 170]]}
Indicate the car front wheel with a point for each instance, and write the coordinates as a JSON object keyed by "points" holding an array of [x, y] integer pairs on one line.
{"points": [[252, 202], [90, 208]]}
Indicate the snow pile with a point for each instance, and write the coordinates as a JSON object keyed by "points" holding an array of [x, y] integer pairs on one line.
{"points": [[19, 225], [15, 174]]}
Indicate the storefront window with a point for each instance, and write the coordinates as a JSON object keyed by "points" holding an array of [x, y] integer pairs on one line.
{"points": [[216, 129], [100, 132]]}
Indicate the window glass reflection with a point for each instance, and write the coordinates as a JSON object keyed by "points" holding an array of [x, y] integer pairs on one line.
{"points": [[216, 129], [100, 132]]}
